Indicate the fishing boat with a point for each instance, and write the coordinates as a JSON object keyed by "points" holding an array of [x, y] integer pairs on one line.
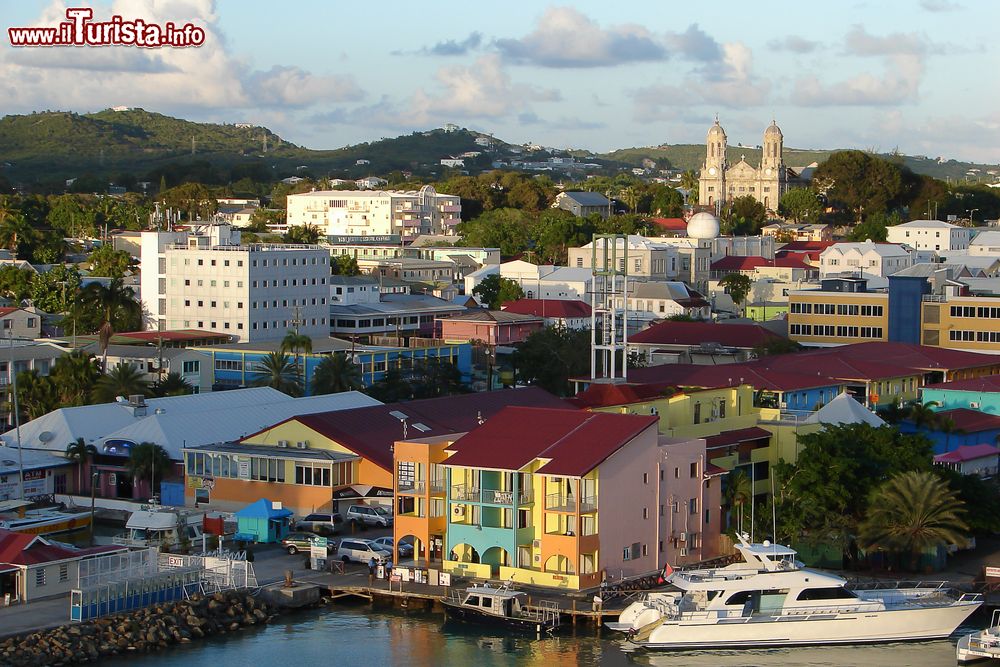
{"points": [[15, 516], [982, 645], [771, 600], [502, 607]]}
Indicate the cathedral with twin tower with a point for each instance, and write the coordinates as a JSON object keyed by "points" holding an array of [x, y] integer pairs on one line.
{"points": [[721, 182]]}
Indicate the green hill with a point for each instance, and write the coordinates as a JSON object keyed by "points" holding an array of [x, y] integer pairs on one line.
{"points": [[50, 147]]}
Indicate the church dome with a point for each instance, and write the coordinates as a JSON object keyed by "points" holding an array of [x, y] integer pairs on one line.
{"points": [[772, 130], [716, 132], [703, 226]]}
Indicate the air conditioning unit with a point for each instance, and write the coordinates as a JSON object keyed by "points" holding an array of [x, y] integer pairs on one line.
{"points": [[974, 405], [538, 558], [653, 411], [282, 443], [302, 444], [536, 544], [683, 537], [784, 405], [458, 511]]}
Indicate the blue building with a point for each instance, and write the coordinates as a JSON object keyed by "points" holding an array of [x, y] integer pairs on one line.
{"points": [[981, 394], [234, 363], [965, 428]]}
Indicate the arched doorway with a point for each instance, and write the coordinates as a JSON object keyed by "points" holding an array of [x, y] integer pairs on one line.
{"points": [[496, 557], [464, 553]]}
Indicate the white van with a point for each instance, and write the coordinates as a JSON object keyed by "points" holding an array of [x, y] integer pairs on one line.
{"points": [[361, 551]]}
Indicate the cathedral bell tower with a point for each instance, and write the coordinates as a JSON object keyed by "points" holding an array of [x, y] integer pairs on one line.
{"points": [[712, 184], [772, 168]]}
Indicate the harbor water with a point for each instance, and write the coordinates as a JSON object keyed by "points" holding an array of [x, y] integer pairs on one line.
{"points": [[357, 635]]}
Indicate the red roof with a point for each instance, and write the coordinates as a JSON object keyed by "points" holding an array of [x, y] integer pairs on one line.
{"points": [[696, 333], [805, 246], [985, 384], [736, 437], [561, 308], [737, 263], [670, 224], [25, 549], [175, 335], [7, 310], [968, 453], [607, 394], [970, 421], [730, 375], [371, 431], [574, 442]]}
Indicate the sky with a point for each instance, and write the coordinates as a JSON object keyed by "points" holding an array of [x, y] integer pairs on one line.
{"points": [[920, 76]]}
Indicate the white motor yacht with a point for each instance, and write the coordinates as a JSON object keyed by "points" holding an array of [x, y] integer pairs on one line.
{"points": [[770, 599], [982, 645]]}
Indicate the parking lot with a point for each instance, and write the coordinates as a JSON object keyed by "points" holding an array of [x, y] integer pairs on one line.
{"points": [[271, 560]]}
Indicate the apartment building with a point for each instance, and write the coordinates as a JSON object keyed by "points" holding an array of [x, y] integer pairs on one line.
{"points": [[384, 213], [880, 259], [931, 235], [839, 312], [644, 259], [255, 292], [20, 322]]}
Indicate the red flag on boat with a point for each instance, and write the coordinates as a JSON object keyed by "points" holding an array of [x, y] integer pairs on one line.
{"points": [[665, 573]]}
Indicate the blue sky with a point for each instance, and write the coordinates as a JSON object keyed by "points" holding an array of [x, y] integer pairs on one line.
{"points": [[919, 75]]}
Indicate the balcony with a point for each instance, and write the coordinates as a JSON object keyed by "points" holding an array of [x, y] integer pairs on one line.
{"points": [[588, 504], [413, 486], [437, 486], [463, 492], [559, 502], [451, 208], [506, 497]]}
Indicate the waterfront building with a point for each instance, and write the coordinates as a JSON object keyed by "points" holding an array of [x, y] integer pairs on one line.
{"points": [[575, 498], [33, 567], [329, 461], [376, 212]]}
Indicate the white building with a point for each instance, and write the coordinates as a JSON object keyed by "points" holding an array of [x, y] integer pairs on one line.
{"points": [[153, 276], [194, 367], [647, 259], [254, 292], [386, 213], [20, 322], [985, 243], [930, 235], [538, 281], [880, 259]]}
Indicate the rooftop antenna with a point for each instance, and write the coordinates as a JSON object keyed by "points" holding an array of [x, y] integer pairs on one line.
{"points": [[402, 420]]}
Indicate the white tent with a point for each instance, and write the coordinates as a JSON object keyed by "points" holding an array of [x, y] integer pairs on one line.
{"points": [[844, 410]]}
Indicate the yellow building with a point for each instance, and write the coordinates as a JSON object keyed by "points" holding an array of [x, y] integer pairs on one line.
{"points": [[822, 318], [970, 323]]}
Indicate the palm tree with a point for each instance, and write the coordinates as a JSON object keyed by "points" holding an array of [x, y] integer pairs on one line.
{"points": [[336, 373], [739, 493], [689, 181], [296, 343], [117, 308], [122, 380], [148, 460], [80, 452], [37, 395], [75, 375], [14, 228], [922, 414], [947, 426], [173, 384], [911, 512], [278, 371]]}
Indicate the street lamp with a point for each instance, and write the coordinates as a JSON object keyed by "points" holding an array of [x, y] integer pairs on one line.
{"points": [[971, 212], [95, 476]]}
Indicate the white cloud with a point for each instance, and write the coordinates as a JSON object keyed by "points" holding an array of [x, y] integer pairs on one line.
{"points": [[564, 37], [903, 56], [793, 44]]}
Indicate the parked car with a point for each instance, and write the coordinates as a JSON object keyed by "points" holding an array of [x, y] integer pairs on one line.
{"points": [[300, 541], [321, 523], [369, 515], [361, 551], [405, 546]]}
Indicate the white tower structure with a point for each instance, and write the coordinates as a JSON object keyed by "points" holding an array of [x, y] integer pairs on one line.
{"points": [[609, 309]]}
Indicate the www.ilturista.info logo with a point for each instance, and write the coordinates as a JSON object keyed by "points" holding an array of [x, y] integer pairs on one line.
{"points": [[80, 30]]}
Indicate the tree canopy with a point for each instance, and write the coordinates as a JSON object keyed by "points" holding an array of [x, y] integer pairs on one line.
{"points": [[551, 356], [495, 291]]}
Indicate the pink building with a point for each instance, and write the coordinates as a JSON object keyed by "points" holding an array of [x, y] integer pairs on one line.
{"points": [[492, 327]]}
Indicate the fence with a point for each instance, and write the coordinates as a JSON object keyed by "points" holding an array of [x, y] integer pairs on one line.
{"points": [[115, 596], [117, 567]]}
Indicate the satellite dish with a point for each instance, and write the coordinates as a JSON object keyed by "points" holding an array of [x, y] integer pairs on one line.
{"points": [[45, 436], [8, 462]]}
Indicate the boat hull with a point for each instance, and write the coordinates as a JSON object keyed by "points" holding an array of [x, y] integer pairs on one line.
{"points": [[467, 615], [842, 628], [62, 524], [974, 648]]}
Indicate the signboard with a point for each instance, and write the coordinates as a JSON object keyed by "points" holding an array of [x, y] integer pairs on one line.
{"points": [[993, 572], [445, 578], [383, 239], [244, 469], [175, 561]]}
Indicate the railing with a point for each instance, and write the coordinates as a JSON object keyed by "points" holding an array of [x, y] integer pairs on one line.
{"points": [[437, 486], [938, 298], [588, 504], [417, 486], [560, 502], [464, 492]]}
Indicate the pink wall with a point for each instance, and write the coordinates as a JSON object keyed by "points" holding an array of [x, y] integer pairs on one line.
{"points": [[491, 333], [650, 472]]}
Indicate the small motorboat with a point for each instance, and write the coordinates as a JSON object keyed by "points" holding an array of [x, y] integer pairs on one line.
{"points": [[503, 607], [15, 516], [982, 645]]}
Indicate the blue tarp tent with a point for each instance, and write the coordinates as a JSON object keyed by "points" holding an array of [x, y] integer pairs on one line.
{"points": [[261, 522]]}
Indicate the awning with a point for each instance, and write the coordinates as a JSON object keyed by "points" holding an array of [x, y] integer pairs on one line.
{"points": [[362, 491]]}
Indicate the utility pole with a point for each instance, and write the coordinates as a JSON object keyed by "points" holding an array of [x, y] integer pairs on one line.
{"points": [[17, 419]]}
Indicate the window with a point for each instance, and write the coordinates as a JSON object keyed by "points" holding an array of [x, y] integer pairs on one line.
{"points": [[63, 572], [694, 469], [40, 577], [693, 506], [312, 475], [645, 513], [227, 364], [645, 478], [192, 367]]}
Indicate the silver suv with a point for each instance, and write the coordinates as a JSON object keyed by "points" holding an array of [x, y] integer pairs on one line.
{"points": [[369, 515]]}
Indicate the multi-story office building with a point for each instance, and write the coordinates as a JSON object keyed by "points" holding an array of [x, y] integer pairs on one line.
{"points": [[254, 292], [841, 311], [383, 213]]}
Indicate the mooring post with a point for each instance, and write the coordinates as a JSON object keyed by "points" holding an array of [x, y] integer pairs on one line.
{"points": [[574, 613]]}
